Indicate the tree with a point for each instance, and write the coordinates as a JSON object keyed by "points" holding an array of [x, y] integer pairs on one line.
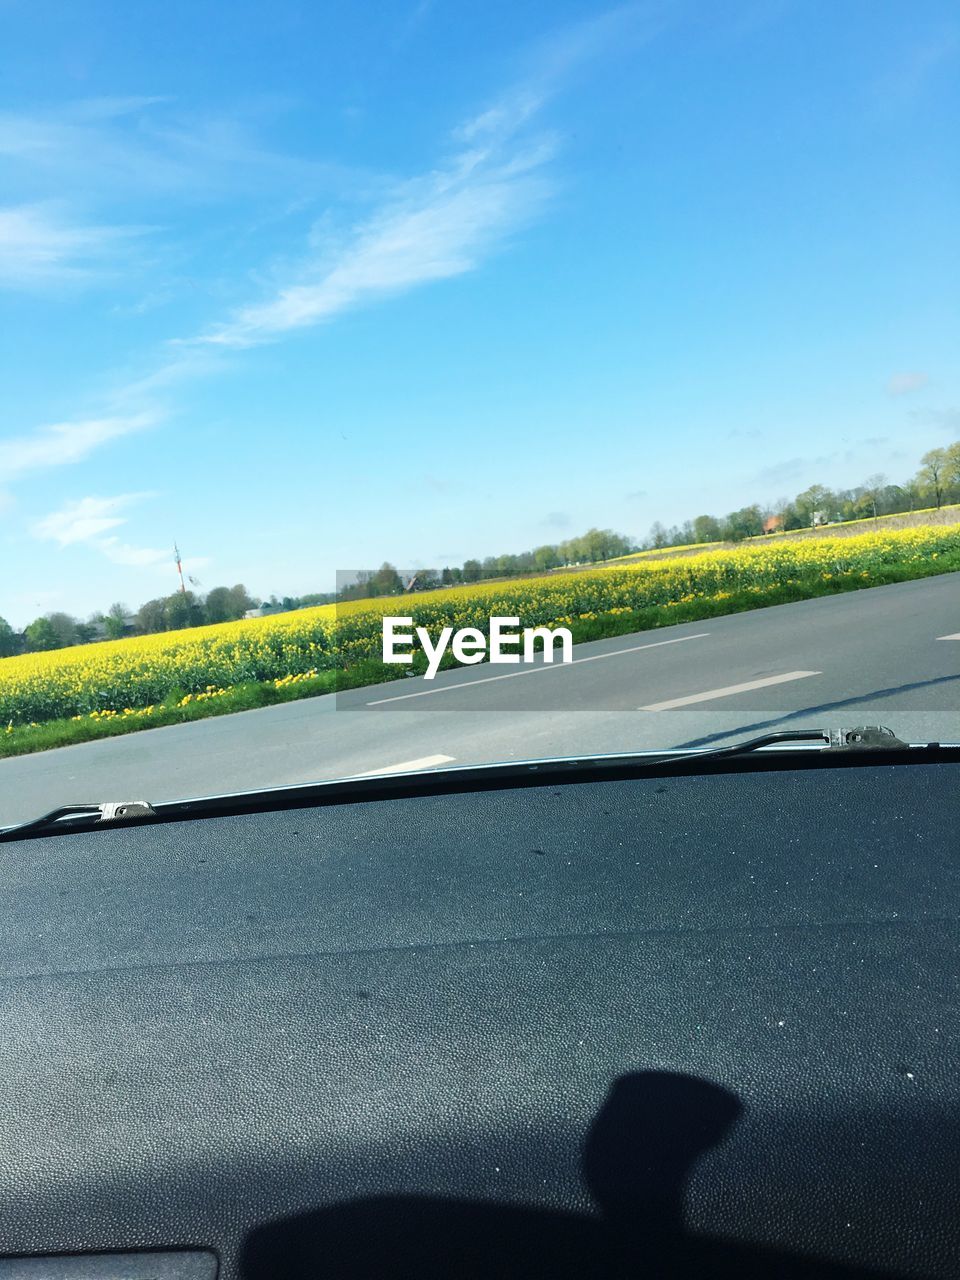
{"points": [[933, 473], [240, 600], [116, 621], [546, 557], [872, 493], [64, 628], [792, 517], [745, 523], [152, 617], [182, 609], [40, 636], [8, 639], [472, 570], [425, 579], [658, 535], [706, 529], [220, 606], [816, 498], [386, 581]]}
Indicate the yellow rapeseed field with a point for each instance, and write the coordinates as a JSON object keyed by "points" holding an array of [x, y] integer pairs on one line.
{"points": [[132, 676]]}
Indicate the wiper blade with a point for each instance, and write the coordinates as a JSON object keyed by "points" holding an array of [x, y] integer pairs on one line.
{"points": [[839, 746]]}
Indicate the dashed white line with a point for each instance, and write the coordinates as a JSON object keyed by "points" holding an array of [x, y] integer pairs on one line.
{"points": [[532, 671], [407, 766], [955, 636], [728, 690]]}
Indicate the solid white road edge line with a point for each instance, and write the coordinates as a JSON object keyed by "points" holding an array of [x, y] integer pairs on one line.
{"points": [[407, 766], [532, 671], [728, 690], [955, 636]]}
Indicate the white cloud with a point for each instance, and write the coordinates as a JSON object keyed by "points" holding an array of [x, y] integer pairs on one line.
{"points": [[434, 228], [150, 147], [85, 519], [503, 118], [39, 246], [901, 384], [65, 442], [88, 522]]}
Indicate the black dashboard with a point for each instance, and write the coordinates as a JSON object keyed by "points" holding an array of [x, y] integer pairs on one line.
{"points": [[665, 1025]]}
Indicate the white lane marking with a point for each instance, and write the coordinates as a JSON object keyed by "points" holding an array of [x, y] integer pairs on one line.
{"points": [[955, 636], [532, 671], [728, 690], [408, 766]]}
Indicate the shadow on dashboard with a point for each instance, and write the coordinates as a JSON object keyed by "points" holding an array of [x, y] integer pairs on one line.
{"points": [[636, 1159]]}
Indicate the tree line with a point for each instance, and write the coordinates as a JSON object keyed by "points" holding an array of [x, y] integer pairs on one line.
{"points": [[181, 609], [59, 630], [936, 483], [591, 547]]}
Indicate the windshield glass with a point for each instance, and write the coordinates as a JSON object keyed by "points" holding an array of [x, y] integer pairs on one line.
{"points": [[440, 384]]}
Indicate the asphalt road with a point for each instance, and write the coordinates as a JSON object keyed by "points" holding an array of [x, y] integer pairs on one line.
{"points": [[887, 655]]}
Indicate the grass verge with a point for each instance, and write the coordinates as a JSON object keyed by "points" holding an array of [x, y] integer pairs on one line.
{"points": [[26, 739]]}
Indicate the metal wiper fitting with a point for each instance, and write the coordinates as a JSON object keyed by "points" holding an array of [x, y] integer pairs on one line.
{"points": [[868, 737]]}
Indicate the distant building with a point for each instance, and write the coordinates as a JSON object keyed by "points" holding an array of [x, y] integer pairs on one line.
{"points": [[773, 524]]}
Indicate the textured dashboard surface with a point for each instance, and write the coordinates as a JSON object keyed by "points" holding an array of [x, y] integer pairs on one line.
{"points": [[647, 1027]]}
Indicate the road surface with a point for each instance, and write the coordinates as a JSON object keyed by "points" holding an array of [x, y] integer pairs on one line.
{"points": [[887, 655]]}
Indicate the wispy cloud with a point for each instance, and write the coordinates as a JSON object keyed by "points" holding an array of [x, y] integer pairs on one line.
{"points": [[150, 146], [89, 521], [85, 519], [944, 419], [40, 246], [61, 443], [433, 228], [447, 222], [901, 384]]}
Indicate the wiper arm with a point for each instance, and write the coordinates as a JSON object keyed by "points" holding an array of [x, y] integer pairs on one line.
{"points": [[864, 738]]}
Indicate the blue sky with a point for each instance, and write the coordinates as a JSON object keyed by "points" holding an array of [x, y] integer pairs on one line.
{"points": [[307, 286]]}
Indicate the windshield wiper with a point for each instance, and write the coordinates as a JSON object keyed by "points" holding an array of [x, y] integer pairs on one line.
{"points": [[814, 747], [868, 737]]}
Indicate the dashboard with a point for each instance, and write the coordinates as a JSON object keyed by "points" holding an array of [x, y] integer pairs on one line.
{"points": [[661, 1025]]}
